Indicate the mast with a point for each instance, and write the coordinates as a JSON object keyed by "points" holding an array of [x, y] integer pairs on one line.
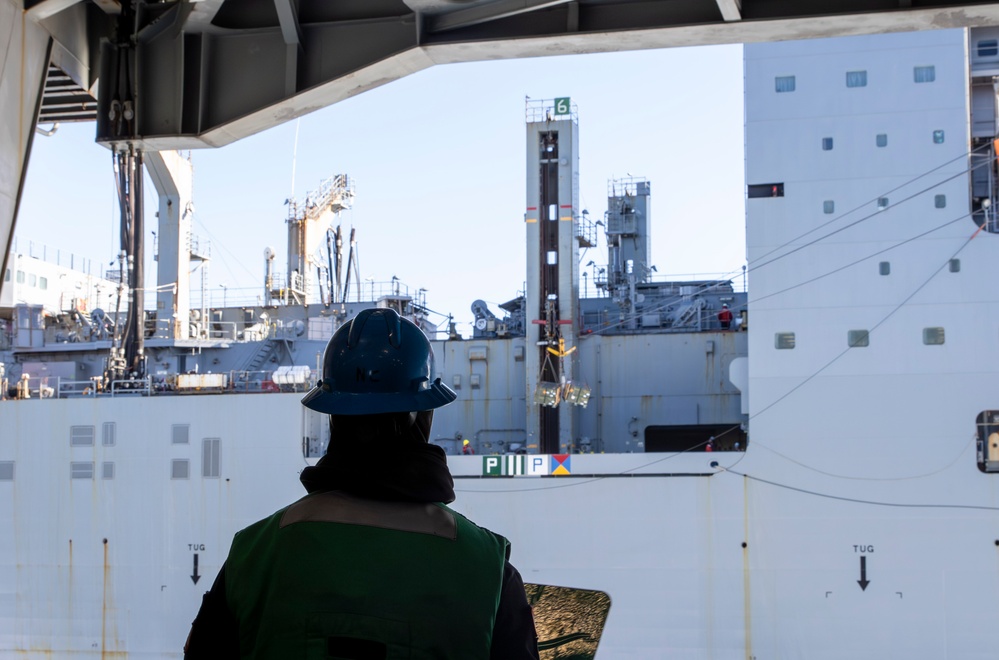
{"points": [[552, 272]]}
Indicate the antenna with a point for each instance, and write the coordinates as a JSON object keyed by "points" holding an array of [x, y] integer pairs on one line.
{"points": [[294, 159]]}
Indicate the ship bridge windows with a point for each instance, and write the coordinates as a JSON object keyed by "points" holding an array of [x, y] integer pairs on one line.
{"points": [[987, 436], [695, 437]]}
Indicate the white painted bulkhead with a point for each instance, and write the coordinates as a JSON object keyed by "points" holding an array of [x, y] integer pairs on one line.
{"points": [[891, 423]]}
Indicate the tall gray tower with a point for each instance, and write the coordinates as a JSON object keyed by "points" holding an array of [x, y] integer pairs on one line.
{"points": [[628, 230], [552, 223]]}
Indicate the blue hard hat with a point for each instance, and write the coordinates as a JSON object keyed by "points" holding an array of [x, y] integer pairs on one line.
{"points": [[378, 362]]}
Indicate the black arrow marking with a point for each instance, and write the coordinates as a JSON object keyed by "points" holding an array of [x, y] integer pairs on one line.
{"points": [[195, 575], [863, 581]]}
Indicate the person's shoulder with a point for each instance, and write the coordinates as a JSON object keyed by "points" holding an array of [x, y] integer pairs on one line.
{"points": [[471, 525], [263, 523]]}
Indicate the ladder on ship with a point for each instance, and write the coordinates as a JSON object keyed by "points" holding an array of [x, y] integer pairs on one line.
{"points": [[260, 357]]}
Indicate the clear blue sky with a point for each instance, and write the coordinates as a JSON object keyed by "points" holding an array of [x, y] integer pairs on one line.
{"points": [[439, 164]]}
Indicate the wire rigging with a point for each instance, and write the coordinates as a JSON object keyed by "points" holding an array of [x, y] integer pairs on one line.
{"points": [[856, 500], [873, 328], [884, 194], [671, 301]]}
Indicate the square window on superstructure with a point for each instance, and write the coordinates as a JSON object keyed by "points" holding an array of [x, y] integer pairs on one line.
{"points": [[924, 74], [784, 84], [933, 336], [856, 79], [784, 340], [107, 470], [43, 283], [988, 48], [20, 277], [180, 468], [827, 144], [881, 139], [882, 203], [938, 137], [858, 338], [884, 268], [6, 470], [940, 201], [181, 434], [954, 265], [6, 275], [829, 206], [32, 279]]}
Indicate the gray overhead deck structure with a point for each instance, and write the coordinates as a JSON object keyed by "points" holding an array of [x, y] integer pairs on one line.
{"points": [[169, 75]]}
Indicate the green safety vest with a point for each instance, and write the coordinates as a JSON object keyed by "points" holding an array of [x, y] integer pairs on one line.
{"points": [[337, 576]]}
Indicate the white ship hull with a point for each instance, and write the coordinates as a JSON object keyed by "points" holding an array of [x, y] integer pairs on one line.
{"points": [[700, 562]]}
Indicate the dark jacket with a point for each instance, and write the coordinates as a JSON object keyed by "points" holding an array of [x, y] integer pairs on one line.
{"points": [[416, 473]]}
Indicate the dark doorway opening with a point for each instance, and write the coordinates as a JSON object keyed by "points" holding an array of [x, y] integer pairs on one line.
{"points": [[694, 437]]}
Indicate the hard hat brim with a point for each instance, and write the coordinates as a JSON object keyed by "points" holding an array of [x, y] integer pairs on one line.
{"points": [[349, 403]]}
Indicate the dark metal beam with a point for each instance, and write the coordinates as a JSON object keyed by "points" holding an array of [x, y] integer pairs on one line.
{"points": [[484, 13], [288, 16], [211, 72], [292, 33], [731, 10]]}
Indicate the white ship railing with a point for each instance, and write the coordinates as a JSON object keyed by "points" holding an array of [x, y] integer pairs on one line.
{"points": [[236, 382], [132, 387], [73, 388]]}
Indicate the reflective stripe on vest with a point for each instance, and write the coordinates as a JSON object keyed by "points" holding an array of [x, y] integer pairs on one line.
{"points": [[337, 507], [336, 576]]}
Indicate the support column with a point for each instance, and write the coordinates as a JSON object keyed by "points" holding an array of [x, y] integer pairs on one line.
{"points": [[173, 177], [25, 49]]}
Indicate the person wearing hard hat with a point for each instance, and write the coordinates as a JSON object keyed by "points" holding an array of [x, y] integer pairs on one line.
{"points": [[372, 563], [466, 448], [725, 317]]}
